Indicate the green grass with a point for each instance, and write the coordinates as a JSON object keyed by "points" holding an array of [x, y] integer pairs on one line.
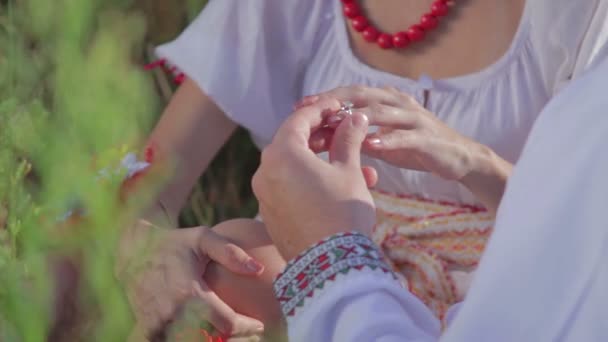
{"points": [[224, 191], [72, 87]]}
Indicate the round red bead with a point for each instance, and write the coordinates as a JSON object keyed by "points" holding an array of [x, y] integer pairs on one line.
{"points": [[370, 34], [360, 23], [385, 41], [179, 79], [400, 40], [351, 10], [439, 8], [428, 22], [149, 154], [415, 33]]}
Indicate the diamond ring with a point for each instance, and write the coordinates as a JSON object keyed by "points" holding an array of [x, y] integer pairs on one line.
{"points": [[346, 109]]}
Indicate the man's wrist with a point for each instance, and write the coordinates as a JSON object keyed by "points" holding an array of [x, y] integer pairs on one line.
{"points": [[323, 262], [160, 216]]}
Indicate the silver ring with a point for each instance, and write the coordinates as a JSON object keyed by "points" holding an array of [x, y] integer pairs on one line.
{"points": [[346, 109]]}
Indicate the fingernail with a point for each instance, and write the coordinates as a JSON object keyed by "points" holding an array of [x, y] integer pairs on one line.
{"points": [[259, 328], [312, 99], [254, 266], [334, 119], [359, 120], [306, 101], [374, 141]]}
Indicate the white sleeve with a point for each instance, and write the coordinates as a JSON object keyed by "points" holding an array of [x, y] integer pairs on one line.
{"points": [[568, 37], [341, 290], [544, 275], [594, 46], [249, 56]]}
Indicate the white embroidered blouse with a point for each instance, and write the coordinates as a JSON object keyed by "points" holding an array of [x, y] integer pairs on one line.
{"points": [[255, 58]]}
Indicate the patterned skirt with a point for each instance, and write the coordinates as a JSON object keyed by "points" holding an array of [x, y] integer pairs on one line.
{"points": [[425, 240]]}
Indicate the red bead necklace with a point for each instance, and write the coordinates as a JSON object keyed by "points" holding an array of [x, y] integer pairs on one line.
{"points": [[414, 33]]}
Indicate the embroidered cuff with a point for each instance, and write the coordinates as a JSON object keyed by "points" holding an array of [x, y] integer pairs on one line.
{"points": [[338, 254]]}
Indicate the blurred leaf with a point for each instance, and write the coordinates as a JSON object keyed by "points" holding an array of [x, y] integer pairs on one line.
{"points": [[73, 98]]}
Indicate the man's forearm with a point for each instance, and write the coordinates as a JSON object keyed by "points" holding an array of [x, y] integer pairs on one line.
{"points": [[341, 289]]}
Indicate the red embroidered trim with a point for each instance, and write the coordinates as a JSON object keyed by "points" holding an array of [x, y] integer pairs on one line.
{"points": [[335, 255], [178, 76]]}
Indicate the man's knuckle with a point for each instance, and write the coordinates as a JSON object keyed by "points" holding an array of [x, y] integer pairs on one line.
{"points": [[275, 156], [331, 105], [265, 155], [255, 183]]}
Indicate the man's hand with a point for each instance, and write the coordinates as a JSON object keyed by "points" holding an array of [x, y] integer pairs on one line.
{"points": [[303, 198], [162, 269]]}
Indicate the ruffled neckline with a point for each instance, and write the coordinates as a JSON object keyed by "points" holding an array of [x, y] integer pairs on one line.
{"points": [[450, 84]]}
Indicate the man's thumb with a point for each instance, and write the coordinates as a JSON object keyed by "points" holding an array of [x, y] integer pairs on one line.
{"points": [[346, 143]]}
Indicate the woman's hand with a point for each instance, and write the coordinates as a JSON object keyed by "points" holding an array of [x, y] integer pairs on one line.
{"points": [[162, 269], [411, 137]]}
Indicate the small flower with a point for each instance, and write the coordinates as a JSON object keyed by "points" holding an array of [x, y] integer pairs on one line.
{"points": [[132, 165]]}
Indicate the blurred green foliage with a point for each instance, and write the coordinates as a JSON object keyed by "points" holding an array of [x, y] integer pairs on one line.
{"points": [[71, 87]]}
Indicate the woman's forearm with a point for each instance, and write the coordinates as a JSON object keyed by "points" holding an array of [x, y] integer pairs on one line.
{"points": [[192, 129], [488, 178]]}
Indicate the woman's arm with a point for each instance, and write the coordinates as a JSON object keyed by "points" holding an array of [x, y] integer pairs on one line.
{"points": [[189, 134], [488, 177]]}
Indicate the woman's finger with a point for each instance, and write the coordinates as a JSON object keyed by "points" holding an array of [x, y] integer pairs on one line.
{"points": [[306, 101], [371, 176], [299, 126], [393, 140], [320, 140], [211, 308], [384, 116], [227, 254], [361, 96], [396, 147], [392, 117]]}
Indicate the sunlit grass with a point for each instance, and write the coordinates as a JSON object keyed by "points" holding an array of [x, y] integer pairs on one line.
{"points": [[73, 99], [68, 92]]}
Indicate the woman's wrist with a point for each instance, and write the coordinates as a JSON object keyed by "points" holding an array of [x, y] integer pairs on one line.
{"points": [[487, 177]]}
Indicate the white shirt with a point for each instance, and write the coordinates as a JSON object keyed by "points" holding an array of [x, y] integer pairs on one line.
{"points": [[255, 58], [544, 275]]}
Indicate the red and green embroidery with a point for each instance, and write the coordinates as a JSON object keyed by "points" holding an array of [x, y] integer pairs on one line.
{"points": [[309, 272]]}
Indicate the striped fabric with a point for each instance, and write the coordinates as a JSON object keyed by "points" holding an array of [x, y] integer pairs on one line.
{"points": [[425, 240]]}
